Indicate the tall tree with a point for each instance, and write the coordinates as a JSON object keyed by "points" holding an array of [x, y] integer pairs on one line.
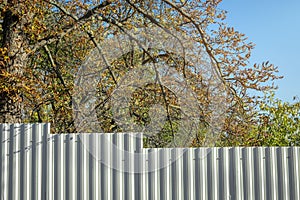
{"points": [[44, 42]]}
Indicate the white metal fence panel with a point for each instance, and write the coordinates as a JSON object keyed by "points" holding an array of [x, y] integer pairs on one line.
{"points": [[37, 165]]}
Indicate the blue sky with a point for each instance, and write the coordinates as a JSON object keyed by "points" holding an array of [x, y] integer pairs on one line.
{"points": [[274, 26]]}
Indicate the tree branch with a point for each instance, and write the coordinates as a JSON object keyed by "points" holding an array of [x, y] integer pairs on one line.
{"points": [[61, 8], [103, 57], [56, 70], [207, 47], [67, 29]]}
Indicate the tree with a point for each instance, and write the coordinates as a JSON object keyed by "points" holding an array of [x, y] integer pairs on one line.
{"points": [[44, 42], [278, 123]]}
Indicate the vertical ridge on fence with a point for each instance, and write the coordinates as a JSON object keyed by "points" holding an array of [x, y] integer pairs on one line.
{"points": [[294, 164], [1, 162], [38, 165], [19, 170]]}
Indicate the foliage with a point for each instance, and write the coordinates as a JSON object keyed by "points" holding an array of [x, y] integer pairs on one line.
{"points": [[43, 43], [278, 123]]}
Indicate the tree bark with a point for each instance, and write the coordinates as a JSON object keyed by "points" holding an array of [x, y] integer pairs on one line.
{"points": [[14, 39]]}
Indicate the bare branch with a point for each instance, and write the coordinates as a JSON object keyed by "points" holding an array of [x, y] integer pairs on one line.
{"points": [[50, 56]]}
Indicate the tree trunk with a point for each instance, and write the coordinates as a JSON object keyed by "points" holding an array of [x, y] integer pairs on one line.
{"points": [[14, 39]]}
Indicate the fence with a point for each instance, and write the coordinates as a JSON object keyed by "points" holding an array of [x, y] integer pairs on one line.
{"points": [[39, 165]]}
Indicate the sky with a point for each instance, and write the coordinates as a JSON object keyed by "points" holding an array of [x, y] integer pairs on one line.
{"points": [[274, 26]]}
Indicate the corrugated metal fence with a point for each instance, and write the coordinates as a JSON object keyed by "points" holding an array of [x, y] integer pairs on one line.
{"points": [[38, 165]]}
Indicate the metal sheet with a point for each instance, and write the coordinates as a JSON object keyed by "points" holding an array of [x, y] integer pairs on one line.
{"points": [[37, 165]]}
